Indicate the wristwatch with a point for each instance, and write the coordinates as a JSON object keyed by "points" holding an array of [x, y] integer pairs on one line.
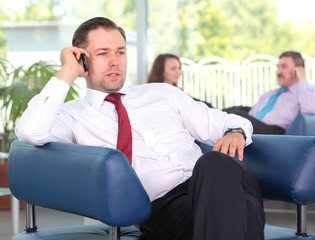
{"points": [[236, 129]]}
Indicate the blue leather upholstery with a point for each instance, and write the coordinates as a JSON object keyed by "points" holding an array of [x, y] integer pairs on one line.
{"points": [[81, 180], [302, 124], [284, 167], [91, 181]]}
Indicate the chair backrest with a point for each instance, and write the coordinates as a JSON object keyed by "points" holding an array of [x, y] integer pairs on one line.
{"points": [[303, 125], [284, 167], [95, 182]]}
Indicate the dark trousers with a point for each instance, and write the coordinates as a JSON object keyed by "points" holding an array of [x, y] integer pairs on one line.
{"points": [[259, 126], [221, 201]]}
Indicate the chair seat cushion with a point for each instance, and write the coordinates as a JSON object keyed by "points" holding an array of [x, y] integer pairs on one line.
{"points": [[282, 233], [85, 232]]}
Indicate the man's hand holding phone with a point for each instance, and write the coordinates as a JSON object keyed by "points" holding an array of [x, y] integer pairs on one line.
{"points": [[300, 73], [71, 67]]}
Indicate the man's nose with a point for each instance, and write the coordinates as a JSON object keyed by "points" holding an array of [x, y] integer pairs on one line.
{"points": [[113, 60]]}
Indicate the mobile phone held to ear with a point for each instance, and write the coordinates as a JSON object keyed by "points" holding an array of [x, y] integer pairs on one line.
{"points": [[83, 62]]}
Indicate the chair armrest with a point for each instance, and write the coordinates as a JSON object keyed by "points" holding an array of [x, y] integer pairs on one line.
{"points": [[90, 181], [302, 124], [284, 167]]}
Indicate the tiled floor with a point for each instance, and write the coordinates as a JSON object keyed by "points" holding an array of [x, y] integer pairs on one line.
{"points": [[44, 218], [283, 214], [276, 214]]}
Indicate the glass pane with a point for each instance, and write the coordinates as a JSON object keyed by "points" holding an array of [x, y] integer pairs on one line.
{"points": [[37, 30], [230, 29], [229, 49]]}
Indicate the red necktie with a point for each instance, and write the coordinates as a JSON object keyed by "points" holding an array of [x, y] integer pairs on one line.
{"points": [[124, 140]]}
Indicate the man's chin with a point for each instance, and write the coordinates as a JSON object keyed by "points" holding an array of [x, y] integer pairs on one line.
{"points": [[114, 87], [280, 81]]}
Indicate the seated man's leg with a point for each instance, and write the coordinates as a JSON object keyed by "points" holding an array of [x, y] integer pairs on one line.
{"points": [[226, 200], [171, 217], [237, 108], [259, 126]]}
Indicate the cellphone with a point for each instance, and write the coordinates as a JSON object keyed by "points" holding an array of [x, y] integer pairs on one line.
{"points": [[83, 62]]}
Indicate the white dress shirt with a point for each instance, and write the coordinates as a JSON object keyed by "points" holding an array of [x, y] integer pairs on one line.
{"points": [[165, 123]]}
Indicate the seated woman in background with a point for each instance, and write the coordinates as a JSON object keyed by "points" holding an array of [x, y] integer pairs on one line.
{"points": [[166, 68]]}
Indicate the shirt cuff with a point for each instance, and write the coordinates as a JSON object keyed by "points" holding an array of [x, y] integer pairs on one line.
{"points": [[56, 89]]}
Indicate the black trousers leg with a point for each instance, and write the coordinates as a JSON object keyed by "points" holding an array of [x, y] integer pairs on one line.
{"points": [[259, 126], [171, 217], [221, 201], [226, 200]]}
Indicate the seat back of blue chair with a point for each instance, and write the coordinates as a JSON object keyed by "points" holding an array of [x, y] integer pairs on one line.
{"points": [[303, 125], [284, 167], [95, 182]]}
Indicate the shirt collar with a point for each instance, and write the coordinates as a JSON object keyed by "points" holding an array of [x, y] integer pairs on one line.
{"points": [[288, 89], [95, 98]]}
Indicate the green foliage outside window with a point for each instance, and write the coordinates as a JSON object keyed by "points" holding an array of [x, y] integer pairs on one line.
{"points": [[193, 29]]}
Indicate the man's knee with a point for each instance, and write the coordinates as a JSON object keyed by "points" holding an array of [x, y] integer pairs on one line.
{"points": [[215, 165], [212, 159]]}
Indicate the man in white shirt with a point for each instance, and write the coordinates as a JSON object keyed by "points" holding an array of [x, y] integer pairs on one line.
{"points": [[194, 196]]}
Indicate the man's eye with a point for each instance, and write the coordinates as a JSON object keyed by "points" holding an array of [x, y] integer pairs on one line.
{"points": [[103, 53], [120, 53]]}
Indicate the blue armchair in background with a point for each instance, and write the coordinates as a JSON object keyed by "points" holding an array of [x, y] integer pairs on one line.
{"points": [[303, 125], [99, 183]]}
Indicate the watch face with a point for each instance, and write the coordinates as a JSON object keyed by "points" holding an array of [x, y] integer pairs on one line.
{"points": [[236, 129]]}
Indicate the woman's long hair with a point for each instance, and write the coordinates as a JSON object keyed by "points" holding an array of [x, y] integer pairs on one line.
{"points": [[157, 70]]}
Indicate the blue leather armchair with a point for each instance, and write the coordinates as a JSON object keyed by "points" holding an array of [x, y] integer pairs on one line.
{"points": [[303, 125], [99, 183], [90, 181]]}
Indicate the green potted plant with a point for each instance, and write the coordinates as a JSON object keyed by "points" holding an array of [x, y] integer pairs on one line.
{"points": [[17, 86]]}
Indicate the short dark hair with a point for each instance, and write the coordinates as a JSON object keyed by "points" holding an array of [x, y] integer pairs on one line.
{"points": [[80, 35], [296, 56], [156, 73]]}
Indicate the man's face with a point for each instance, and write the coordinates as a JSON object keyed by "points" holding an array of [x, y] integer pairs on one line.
{"points": [[108, 60], [286, 72]]}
